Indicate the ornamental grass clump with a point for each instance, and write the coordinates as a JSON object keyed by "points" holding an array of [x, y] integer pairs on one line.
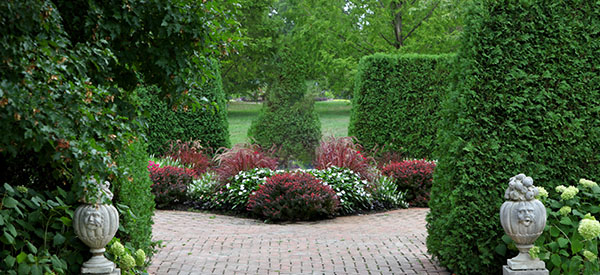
{"points": [[293, 197], [242, 157], [569, 244], [189, 153], [414, 177], [344, 153]]}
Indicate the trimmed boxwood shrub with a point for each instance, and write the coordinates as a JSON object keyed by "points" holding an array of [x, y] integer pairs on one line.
{"points": [[133, 190], [396, 102], [526, 100], [207, 124], [288, 120]]}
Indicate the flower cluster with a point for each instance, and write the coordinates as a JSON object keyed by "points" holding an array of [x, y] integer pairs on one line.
{"points": [[588, 183], [234, 194], [414, 177], [349, 187], [589, 227], [569, 192], [567, 226], [589, 255], [385, 195], [534, 252], [565, 210], [124, 259], [542, 193], [293, 196], [203, 188]]}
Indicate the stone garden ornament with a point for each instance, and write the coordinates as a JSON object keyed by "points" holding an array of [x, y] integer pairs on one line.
{"points": [[523, 218], [96, 225]]}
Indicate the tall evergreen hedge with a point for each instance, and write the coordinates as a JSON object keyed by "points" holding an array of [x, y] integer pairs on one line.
{"points": [[396, 102], [526, 99], [208, 124], [133, 190]]}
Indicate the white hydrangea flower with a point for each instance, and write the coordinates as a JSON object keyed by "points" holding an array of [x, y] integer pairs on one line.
{"points": [[587, 183]]}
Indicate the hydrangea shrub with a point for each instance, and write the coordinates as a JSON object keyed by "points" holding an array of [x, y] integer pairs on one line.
{"points": [[569, 243]]}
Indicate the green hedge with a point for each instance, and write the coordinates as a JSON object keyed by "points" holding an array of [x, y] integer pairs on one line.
{"points": [[526, 100], [133, 190], [396, 102], [208, 124]]}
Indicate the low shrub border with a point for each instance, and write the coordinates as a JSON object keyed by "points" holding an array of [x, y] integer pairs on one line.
{"points": [[414, 177], [293, 197]]}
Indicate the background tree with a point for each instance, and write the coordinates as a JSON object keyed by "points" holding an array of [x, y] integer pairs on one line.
{"points": [[332, 36], [69, 110]]}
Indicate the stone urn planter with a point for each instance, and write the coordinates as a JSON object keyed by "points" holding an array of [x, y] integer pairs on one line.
{"points": [[96, 225], [523, 218]]}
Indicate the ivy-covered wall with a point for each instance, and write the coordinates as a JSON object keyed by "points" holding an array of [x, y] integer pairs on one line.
{"points": [[526, 99], [396, 102]]}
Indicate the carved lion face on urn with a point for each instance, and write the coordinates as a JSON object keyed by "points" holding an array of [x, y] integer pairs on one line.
{"points": [[526, 215]]}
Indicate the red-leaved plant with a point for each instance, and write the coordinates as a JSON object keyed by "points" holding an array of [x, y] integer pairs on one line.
{"points": [[242, 157], [343, 152], [169, 184], [189, 153], [293, 197], [413, 177]]}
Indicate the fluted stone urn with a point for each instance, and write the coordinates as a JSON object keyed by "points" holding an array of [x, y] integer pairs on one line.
{"points": [[523, 218], [96, 225]]}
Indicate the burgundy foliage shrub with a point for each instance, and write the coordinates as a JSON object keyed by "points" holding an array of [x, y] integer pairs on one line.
{"points": [[242, 158], [169, 184], [344, 153], [293, 197], [414, 177], [189, 153]]}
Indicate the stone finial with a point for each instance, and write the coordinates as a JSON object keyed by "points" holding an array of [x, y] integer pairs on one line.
{"points": [[520, 188], [102, 191]]}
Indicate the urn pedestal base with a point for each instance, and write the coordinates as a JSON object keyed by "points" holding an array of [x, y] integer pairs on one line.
{"points": [[523, 261], [96, 271], [507, 271]]}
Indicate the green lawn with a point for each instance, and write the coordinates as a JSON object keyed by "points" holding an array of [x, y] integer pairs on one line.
{"points": [[334, 116]]}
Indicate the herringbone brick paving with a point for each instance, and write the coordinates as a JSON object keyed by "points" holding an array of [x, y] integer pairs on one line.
{"points": [[383, 243]]}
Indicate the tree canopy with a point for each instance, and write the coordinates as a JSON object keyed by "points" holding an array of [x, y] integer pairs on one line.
{"points": [[68, 73], [330, 36]]}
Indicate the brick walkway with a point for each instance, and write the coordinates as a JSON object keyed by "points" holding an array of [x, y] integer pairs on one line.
{"points": [[384, 243]]}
